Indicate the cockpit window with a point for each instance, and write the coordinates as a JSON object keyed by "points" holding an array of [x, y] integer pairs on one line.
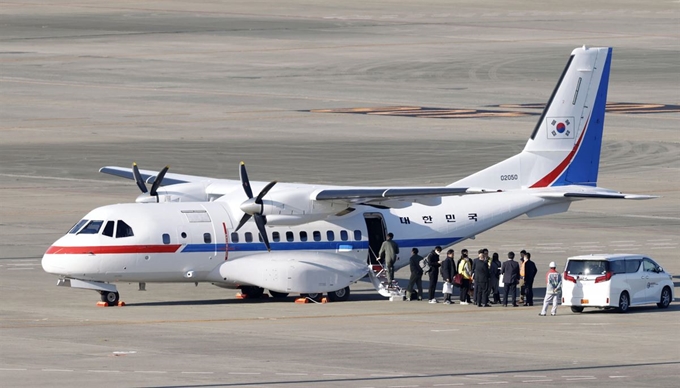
{"points": [[123, 230], [92, 227], [108, 229], [77, 226]]}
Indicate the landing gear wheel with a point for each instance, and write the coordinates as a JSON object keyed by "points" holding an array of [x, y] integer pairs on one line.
{"points": [[624, 302], [111, 298], [252, 292], [576, 309], [340, 295], [665, 298], [313, 295], [278, 295]]}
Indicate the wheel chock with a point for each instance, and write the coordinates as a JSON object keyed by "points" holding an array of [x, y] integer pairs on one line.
{"points": [[241, 296], [102, 304], [324, 300], [121, 304], [301, 300], [245, 296]]}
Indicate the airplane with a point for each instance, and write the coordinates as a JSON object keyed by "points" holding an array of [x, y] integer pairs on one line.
{"points": [[314, 239]]}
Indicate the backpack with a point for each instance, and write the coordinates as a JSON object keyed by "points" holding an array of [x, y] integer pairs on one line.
{"points": [[425, 265]]}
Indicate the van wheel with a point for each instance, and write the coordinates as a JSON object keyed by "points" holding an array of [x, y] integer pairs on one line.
{"points": [[624, 302], [278, 295], [339, 295], [665, 298], [576, 309]]}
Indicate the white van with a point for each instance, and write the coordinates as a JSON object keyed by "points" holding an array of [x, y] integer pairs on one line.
{"points": [[619, 281]]}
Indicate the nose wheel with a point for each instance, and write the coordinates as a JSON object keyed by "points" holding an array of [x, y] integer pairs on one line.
{"points": [[110, 298]]}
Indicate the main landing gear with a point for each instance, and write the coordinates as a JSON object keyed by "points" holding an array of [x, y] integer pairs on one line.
{"points": [[110, 298]]}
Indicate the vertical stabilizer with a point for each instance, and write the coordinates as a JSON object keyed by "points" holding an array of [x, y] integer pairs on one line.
{"points": [[564, 148]]}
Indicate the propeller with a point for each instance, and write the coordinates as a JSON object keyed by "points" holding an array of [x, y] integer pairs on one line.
{"points": [[154, 186], [254, 207]]}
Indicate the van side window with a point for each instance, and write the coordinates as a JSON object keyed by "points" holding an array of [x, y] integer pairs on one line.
{"points": [[290, 236], [632, 265], [108, 229], [330, 235], [207, 238], [276, 236], [343, 235], [648, 265], [166, 238], [249, 237], [357, 235], [617, 266], [234, 237], [303, 236], [317, 235], [123, 230]]}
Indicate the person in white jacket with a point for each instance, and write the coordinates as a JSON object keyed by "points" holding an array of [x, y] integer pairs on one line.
{"points": [[553, 281]]}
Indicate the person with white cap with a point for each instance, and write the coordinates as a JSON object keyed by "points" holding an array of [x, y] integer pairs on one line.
{"points": [[553, 287]]}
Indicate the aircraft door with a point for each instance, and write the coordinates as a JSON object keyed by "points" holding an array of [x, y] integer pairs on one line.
{"points": [[375, 226]]}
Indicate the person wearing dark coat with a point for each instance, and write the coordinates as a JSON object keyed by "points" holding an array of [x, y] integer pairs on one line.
{"points": [[495, 270], [433, 259], [448, 270], [416, 278], [480, 277], [530, 272], [510, 272]]}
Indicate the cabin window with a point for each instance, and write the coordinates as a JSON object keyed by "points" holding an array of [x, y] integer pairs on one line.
{"points": [[343, 235], [123, 230], [249, 237], [357, 235], [92, 227], [77, 226], [184, 235], [317, 235], [108, 229], [303, 236], [290, 237], [276, 236], [207, 238], [166, 238], [234, 237], [330, 235]]}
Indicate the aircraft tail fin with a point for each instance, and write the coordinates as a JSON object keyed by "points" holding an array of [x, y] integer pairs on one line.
{"points": [[564, 148]]}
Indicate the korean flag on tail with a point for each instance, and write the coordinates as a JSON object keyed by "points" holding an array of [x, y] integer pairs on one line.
{"points": [[560, 127]]}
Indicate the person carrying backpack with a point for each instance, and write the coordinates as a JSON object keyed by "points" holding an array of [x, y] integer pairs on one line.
{"points": [[553, 287]]}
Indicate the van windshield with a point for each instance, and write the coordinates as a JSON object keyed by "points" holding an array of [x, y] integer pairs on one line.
{"points": [[587, 267]]}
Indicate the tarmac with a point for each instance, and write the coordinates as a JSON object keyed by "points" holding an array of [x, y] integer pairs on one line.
{"points": [[204, 85]]}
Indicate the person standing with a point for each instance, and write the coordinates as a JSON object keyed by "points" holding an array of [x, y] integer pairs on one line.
{"points": [[553, 287], [433, 260], [510, 272], [389, 250], [465, 270], [448, 270], [480, 276], [530, 272], [495, 271], [416, 278], [522, 258]]}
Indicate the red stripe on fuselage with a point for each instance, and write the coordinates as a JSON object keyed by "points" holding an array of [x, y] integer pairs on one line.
{"points": [[554, 174], [111, 249]]}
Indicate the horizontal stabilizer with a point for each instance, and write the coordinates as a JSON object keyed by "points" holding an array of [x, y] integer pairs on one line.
{"points": [[591, 193]]}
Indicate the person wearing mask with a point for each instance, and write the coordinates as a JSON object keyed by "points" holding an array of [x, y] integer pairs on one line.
{"points": [[433, 260], [480, 277], [448, 270], [510, 273], [495, 272], [530, 272], [553, 287], [465, 270], [416, 278], [389, 250]]}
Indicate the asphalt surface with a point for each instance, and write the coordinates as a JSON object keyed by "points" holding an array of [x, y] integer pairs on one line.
{"points": [[204, 85]]}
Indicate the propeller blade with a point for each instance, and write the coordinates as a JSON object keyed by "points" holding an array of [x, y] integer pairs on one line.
{"points": [[157, 182], [244, 180], [244, 219], [264, 192], [261, 221], [138, 178]]}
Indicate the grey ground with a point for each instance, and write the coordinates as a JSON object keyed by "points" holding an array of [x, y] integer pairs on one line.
{"points": [[203, 85]]}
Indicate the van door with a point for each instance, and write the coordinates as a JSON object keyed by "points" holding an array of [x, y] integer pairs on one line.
{"points": [[653, 277], [635, 277]]}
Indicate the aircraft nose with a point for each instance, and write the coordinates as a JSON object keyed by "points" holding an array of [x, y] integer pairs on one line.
{"points": [[51, 264]]}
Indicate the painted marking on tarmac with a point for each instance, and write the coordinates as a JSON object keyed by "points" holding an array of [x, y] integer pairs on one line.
{"points": [[536, 381], [292, 374], [11, 369], [448, 385], [197, 373], [443, 330], [102, 371], [493, 382], [57, 370], [19, 269], [245, 373], [574, 378], [151, 371]]}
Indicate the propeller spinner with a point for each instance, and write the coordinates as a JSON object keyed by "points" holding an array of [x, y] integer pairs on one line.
{"points": [[254, 207], [154, 186]]}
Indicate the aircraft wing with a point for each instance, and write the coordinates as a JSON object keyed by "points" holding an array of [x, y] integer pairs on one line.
{"points": [[150, 176], [587, 192], [381, 195]]}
